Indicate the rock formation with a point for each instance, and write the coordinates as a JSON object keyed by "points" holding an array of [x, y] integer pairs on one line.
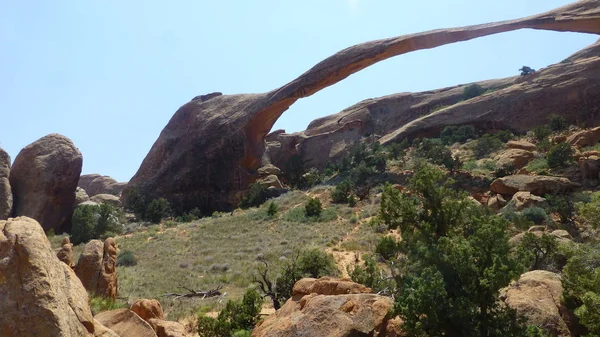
{"points": [[538, 185], [148, 309], [39, 295], [6, 198], [106, 199], [328, 307], [125, 323], [151, 312], [98, 184], [96, 268], [211, 148], [44, 178], [80, 197], [65, 254]]}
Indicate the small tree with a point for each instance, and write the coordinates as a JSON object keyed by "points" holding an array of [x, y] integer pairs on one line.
{"points": [[387, 248], [157, 210], [341, 192], [313, 207], [540, 252], [83, 223], [541, 132], [557, 122], [272, 210], [237, 316], [472, 91], [560, 155], [257, 194], [486, 145], [525, 70]]}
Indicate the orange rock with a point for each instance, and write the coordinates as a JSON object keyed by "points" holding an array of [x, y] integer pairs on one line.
{"points": [[148, 309], [65, 254]]}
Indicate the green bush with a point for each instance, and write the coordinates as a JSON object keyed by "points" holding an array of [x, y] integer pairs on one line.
{"points": [[505, 170], [136, 202], [157, 210], [557, 122], [562, 205], [436, 152], [452, 134], [272, 210], [560, 155], [589, 211], [370, 275], [472, 91], [99, 304], [316, 263], [313, 207], [398, 150], [126, 259], [93, 222], [542, 132], [341, 193], [504, 135], [293, 170], [257, 194], [237, 316], [387, 248], [539, 252], [535, 214], [537, 164], [351, 201], [486, 145]]}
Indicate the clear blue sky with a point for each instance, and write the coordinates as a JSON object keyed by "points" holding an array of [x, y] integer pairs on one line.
{"points": [[110, 74]]}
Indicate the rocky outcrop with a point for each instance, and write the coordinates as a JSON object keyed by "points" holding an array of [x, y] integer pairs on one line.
{"points": [[328, 307], [125, 323], [585, 138], [271, 181], [521, 145], [151, 312], [148, 309], [167, 328], [222, 136], [589, 167], [6, 198], [516, 158], [39, 295], [96, 268], [115, 189], [65, 254], [98, 184], [538, 185], [44, 178], [537, 296], [522, 200], [106, 199], [80, 197]]}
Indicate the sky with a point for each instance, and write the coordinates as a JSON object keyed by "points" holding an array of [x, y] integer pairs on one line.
{"points": [[110, 74]]}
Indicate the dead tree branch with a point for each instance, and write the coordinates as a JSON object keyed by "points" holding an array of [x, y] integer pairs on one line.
{"points": [[195, 293]]}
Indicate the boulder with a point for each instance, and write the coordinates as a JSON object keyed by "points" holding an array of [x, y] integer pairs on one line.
{"points": [[148, 309], [167, 328], [65, 254], [99, 185], [102, 331], [107, 199], [96, 268], [223, 136], [6, 197], [522, 200], [537, 295], [338, 314], [589, 167], [268, 170], [125, 323], [85, 180], [271, 181], [520, 144], [585, 138], [115, 189], [562, 236], [496, 202], [538, 185], [44, 178], [513, 157], [39, 295], [80, 197]]}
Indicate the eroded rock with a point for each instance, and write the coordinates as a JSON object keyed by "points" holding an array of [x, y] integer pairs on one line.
{"points": [[96, 268], [65, 254], [125, 323], [538, 185], [6, 197]]}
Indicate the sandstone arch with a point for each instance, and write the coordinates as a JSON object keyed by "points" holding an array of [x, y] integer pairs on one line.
{"points": [[210, 149]]}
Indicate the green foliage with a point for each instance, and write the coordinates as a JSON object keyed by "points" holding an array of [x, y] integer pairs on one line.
{"points": [[293, 171], [272, 210], [535, 214], [387, 248], [136, 202], [341, 193], [310, 179], [237, 316], [525, 70], [590, 211], [93, 222], [257, 194], [539, 252], [537, 164], [313, 207], [316, 263], [398, 150], [542, 132], [581, 283], [486, 145], [437, 153], [157, 210], [126, 259], [505, 170], [504, 135], [99, 304], [452, 134], [471, 91], [562, 205], [557, 122], [50, 233], [458, 258], [351, 201], [560, 155], [370, 275]]}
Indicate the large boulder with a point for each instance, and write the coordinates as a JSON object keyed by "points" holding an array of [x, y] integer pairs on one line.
{"points": [[80, 197], [6, 197], [520, 144], [538, 185], [65, 254], [44, 178], [513, 157], [115, 189], [589, 167], [39, 295], [585, 138], [96, 268], [148, 309], [537, 295], [344, 310], [99, 185], [167, 328], [210, 150], [125, 323], [271, 181], [522, 200], [106, 199]]}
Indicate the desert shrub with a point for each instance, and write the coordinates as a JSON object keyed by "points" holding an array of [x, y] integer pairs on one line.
{"points": [[387, 248], [515, 218], [257, 194], [505, 170], [370, 275], [557, 122], [313, 207], [581, 283], [452, 134], [436, 152], [457, 260], [470, 165], [272, 210], [126, 259], [486, 145], [237, 316], [341, 193], [351, 201], [589, 211], [157, 210], [525, 70], [136, 202], [316, 263], [504, 135], [361, 173], [398, 150], [293, 169], [93, 222], [535, 214], [471, 91], [537, 164], [310, 179], [539, 252], [353, 219], [542, 132], [562, 205], [50, 233], [560, 155]]}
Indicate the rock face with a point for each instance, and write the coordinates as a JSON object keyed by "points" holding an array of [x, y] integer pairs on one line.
{"points": [[345, 310], [148, 309], [106, 199], [589, 167], [115, 189], [537, 295], [125, 323], [585, 138], [44, 178], [210, 150], [39, 295], [6, 198], [538, 185], [96, 268], [65, 254]]}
